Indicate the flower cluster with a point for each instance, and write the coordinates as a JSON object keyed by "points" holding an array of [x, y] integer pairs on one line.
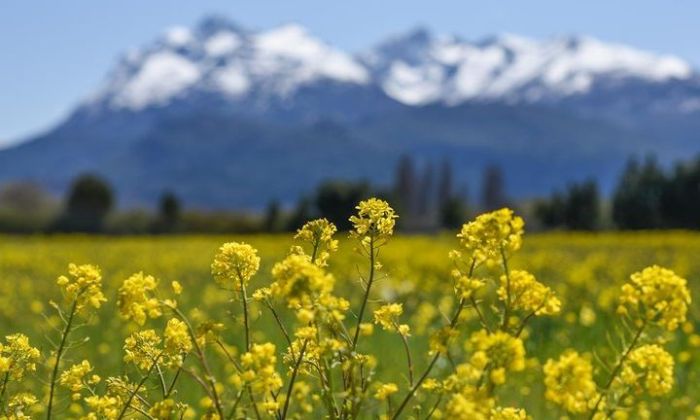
{"points": [[569, 382], [492, 235], [497, 353], [527, 294], [258, 372], [388, 317], [375, 219], [656, 294], [75, 378], [176, 340], [648, 367], [136, 300], [319, 234], [234, 265], [299, 282], [17, 357], [82, 286], [142, 348]]}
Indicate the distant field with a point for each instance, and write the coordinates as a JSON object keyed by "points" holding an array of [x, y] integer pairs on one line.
{"points": [[586, 271]]}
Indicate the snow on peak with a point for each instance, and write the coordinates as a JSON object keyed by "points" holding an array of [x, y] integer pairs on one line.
{"points": [[416, 68], [220, 57], [293, 56], [161, 76], [178, 36], [419, 70]]}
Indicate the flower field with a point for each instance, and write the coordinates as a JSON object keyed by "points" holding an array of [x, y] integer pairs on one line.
{"points": [[489, 322]]}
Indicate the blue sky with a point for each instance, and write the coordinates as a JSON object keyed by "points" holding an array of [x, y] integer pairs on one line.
{"points": [[53, 53]]}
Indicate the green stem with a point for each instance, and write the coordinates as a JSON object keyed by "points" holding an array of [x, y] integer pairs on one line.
{"points": [[244, 297], [506, 304], [4, 388], [617, 369], [292, 379], [138, 387], [59, 354], [203, 360], [423, 377], [366, 297]]}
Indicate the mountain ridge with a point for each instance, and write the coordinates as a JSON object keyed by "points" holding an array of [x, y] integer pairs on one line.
{"points": [[255, 102]]}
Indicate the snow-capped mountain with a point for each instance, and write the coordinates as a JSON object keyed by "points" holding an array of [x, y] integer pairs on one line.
{"points": [[221, 58], [419, 68], [226, 116]]}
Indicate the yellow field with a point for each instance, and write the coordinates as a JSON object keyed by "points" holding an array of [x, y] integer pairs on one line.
{"points": [[586, 271]]}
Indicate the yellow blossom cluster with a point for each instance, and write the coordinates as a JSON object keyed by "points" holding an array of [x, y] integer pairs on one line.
{"points": [[17, 357], [497, 353], [375, 219], [299, 282], [388, 317], [75, 378], [234, 265], [258, 372], [648, 367], [491, 235], [319, 234], [82, 286], [569, 382], [658, 295], [136, 300], [528, 294]]}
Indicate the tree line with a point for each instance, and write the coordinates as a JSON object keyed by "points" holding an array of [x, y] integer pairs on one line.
{"points": [[426, 194]]}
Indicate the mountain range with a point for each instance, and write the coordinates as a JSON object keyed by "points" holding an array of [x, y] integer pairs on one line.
{"points": [[229, 117]]}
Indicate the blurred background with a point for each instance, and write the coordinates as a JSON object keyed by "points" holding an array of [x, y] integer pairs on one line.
{"points": [[214, 116]]}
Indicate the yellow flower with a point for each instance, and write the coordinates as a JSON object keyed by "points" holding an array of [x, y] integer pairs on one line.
{"points": [[490, 234], [464, 285], [569, 382], [508, 413], [527, 294], [82, 285], [104, 407], [177, 288], [499, 352], [258, 372], [649, 366], [299, 281], [657, 295], [387, 316], [17, 357], [19, 403], [142, 349], [319, 234], [135, 298], [74, 378], [384, 391], [166, 409], [366, 329], [234, 265], [177, 340], [374, 219], [469, 404]]}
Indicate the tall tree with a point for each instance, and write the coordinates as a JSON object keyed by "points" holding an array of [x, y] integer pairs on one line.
{"points": [[272, 221], [169, 212], [444, 187], [405, 186], [336, 201], [638, 195], [89, 201], [493, 194]]}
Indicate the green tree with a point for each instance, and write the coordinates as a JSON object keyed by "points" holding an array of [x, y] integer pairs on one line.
{"points": [[336, 201], [637, 198], [89, 200]]}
